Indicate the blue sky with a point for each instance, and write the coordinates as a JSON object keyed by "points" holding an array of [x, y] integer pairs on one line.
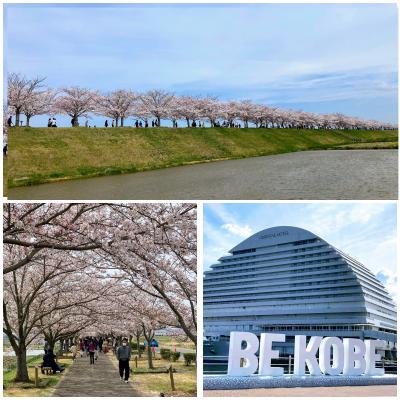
{"points": [[366, 231], [315, 57]]}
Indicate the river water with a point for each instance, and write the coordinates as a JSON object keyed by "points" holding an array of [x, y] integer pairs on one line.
{"points": [[327, 174]]}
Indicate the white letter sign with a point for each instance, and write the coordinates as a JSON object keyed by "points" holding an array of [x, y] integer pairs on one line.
{"points": [[236, 353], [266, 354]]}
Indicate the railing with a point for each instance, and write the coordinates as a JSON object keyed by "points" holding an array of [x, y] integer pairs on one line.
{"points": [[221, 367]]}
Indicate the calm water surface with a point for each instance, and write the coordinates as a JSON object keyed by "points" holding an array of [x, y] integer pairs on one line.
{"points": [[328, 174]]}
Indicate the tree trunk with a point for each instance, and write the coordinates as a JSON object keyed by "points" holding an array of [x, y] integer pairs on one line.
{"points": [[158, 121], [138, 346], [75, 122], [17, 114], [22, 367], [122, 121], [27, 120], [149, 355], [188, 122]]}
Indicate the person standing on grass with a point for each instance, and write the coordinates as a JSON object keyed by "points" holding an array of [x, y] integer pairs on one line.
{"points": [[92, 349], [123, 356]]}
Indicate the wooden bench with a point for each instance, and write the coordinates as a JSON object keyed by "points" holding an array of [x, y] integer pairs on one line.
{"points": [[47, 370]]}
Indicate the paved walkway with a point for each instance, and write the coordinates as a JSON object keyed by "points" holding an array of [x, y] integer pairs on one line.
{"points": [[335, 174], [98, 380], [342, 391]]}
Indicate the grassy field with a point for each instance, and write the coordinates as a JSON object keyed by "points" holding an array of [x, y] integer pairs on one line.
{"points": [[171, 341], [46, 385], [152, 383], [38, 155]]}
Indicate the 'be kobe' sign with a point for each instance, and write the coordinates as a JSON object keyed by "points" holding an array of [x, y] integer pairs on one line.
{"points": [[349, 357]]}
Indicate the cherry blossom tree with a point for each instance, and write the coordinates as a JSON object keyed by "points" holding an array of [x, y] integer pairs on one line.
{"points": [[32, 293], [160, 260], [156, 103], [76, 102], [74, 268], [38, 103], [117, 105], [210, 109], [20, 91], [35, 227]]}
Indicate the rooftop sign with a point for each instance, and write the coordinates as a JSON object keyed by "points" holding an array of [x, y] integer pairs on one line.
{"points": [[274, 235]]}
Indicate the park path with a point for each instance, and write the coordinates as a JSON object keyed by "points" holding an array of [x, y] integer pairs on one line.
{"points": [[98, 380], [326, 174]]}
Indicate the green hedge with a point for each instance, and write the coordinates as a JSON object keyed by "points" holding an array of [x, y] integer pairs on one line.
{"points": [[175, 355], [165, 354], [189, 358], [134, 347]]}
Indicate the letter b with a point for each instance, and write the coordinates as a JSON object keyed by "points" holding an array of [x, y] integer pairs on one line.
{"points": [[354, 361], [236, 353]]}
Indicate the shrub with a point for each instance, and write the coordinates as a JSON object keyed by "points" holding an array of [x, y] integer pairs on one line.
{"points": [[175, 355], [134, 347], [165, 354], [189, 358]]}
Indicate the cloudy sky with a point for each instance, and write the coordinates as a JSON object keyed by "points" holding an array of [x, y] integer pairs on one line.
{"points": [[366, 231], [315, 57]]}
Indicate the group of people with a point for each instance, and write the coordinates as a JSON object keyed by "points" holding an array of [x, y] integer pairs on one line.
{"points": [[91, 346], [52, 123], [226, 124]]}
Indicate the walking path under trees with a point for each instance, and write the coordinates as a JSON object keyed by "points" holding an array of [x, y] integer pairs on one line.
{"points": [[98, 380], [77, 270]]}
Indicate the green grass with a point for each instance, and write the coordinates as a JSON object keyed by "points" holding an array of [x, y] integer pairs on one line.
{"points": [[38, 155], [153, 382], [16, 389]]}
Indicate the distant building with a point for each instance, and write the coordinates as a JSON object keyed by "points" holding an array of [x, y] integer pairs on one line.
{"points": [[169, 331], [288, 280]]}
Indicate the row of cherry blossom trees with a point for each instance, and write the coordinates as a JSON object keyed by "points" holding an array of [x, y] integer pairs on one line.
{"points": [[72, 268], [29, 97]]}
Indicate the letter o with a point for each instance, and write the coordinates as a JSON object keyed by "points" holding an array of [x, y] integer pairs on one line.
{"points": [[325, 356]]}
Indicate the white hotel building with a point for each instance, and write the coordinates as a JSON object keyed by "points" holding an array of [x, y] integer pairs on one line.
{"points": [[288, 280]]}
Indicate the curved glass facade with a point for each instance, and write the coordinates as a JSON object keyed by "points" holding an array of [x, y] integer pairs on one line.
{"points": [[288, 280]]}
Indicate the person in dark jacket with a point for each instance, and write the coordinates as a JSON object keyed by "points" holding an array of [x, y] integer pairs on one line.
{"points": [[49, 360], [123, 356], [92, 349]]}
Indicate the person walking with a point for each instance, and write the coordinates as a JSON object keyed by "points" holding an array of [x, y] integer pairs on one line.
{"points": [[74, 350], [9, 121], [106, 124], [123, 356], [81, 347], [101, 340], [105, 346], [92, 349]]}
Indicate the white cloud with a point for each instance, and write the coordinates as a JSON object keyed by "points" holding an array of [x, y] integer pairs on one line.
{"points": [[238, 230]]}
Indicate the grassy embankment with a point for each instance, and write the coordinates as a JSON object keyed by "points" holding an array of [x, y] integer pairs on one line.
{"points": [[46, 385], [38, 155]]}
